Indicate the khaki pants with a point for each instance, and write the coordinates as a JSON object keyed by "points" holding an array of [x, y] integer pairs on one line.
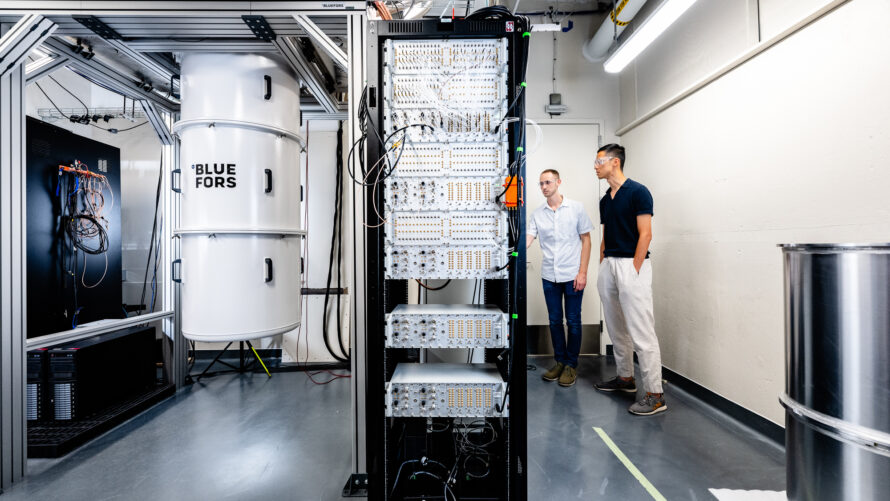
{"points": [[627, 307]]}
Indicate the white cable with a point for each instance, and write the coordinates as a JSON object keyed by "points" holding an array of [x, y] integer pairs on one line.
{"points": [[539, 136]]}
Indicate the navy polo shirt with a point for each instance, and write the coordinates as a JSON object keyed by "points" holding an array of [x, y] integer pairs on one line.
{"points": [[619, 215]]}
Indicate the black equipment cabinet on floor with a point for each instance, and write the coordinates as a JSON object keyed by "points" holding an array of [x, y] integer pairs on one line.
{"points": [[88, 375], [391, 439], [56, 277], [80, 389]]}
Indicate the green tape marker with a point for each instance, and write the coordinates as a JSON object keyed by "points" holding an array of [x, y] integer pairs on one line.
{"points": [[657, 496], [523, 84], [526, 34], [515, 316], [514, 254], [520, 148]]}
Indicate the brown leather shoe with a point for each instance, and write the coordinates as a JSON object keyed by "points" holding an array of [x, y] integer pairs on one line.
{"points": [[568, 377], [554, 372]]}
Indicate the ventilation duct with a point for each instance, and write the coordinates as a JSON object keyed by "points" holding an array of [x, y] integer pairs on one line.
{"points": [[596, 49]]}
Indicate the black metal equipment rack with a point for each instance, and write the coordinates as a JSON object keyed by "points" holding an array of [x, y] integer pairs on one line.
{"points": [[507, 481]]}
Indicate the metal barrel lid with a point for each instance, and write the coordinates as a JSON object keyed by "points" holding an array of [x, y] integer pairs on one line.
{"points": [[841, 247]]}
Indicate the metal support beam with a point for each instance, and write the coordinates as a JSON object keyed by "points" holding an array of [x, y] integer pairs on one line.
{"points": [[43, 67], [156, 119], [170, 250], [105, 75], [15, 45], [13, 322], [89, 330], [25, 35], [182, 9], [323, 41], [355, 245], [210, 45], [144, 61], [322, 115], [163, 62], [306, 72]]}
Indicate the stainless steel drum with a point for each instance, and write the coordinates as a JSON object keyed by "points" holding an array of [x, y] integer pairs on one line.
{"points": [[837, 366]]}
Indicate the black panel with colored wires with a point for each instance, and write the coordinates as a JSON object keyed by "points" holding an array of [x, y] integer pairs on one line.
{"points": [[73, 228]]}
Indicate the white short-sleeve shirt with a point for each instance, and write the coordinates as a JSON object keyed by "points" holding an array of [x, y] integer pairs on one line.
{"points": [[559, 232]]}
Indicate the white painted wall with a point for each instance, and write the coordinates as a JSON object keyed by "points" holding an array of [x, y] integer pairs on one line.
{"points": [[778, 15], [789, 147], [318, 167]]}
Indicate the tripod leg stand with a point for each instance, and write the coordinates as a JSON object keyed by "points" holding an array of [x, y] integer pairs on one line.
{"points": [[241, 368], [214, 361]]}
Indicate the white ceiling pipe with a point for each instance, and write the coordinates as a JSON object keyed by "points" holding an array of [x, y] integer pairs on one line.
{"points": [[596, 48]]}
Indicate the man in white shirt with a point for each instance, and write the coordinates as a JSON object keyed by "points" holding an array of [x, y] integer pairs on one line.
{"points": [[564, 230]]}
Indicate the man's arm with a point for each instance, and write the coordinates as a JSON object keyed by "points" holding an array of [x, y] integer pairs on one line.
{"points": [[531, 231], [528, 241], [603, 245], [581, 279], [644, 227]]}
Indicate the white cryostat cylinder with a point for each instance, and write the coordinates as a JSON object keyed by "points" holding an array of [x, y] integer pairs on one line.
{"points": [[239, 190], [237, 287]]}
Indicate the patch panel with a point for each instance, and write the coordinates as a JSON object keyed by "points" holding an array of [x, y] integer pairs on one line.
{"points": [[446, 390], [449, 126], [455, 56], [466, 193], [455, 92], [459, 262], [444, 160], [447, 326], [433, 228]]}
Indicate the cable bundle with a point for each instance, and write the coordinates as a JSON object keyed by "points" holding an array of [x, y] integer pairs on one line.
{"points": [[471, 444], [380, 170], [471, 455], [83, 226], [83, 207]]}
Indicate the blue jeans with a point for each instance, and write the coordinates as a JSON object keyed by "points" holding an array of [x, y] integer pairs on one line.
{"points": [[566, 353]]}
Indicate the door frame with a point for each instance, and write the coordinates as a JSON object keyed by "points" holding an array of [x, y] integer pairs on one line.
{"points": [[601, 126]]}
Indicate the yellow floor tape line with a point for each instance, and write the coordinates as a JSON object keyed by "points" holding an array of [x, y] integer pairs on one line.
{"points": [[630, 466], [261, 361]]}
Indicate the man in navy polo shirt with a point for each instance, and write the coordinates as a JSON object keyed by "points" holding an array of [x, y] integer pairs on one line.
{"points": [[625, 281]]}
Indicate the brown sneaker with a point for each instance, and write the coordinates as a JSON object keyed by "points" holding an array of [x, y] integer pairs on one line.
{"points": [[568, 377], [554, 372]]}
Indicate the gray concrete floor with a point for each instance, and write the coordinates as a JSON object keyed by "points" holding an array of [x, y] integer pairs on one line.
{"points": [[249, 437]]}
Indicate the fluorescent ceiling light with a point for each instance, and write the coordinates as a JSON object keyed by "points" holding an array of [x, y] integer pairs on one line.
{"points": [[668, 12]]}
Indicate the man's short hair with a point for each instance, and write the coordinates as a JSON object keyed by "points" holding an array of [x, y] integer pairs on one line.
{"points": [[616, 151], [552, 171]]}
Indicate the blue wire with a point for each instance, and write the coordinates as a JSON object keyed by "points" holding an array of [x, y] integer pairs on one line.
{"points": [[152, 302], [154, 277], [74, 320]]}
